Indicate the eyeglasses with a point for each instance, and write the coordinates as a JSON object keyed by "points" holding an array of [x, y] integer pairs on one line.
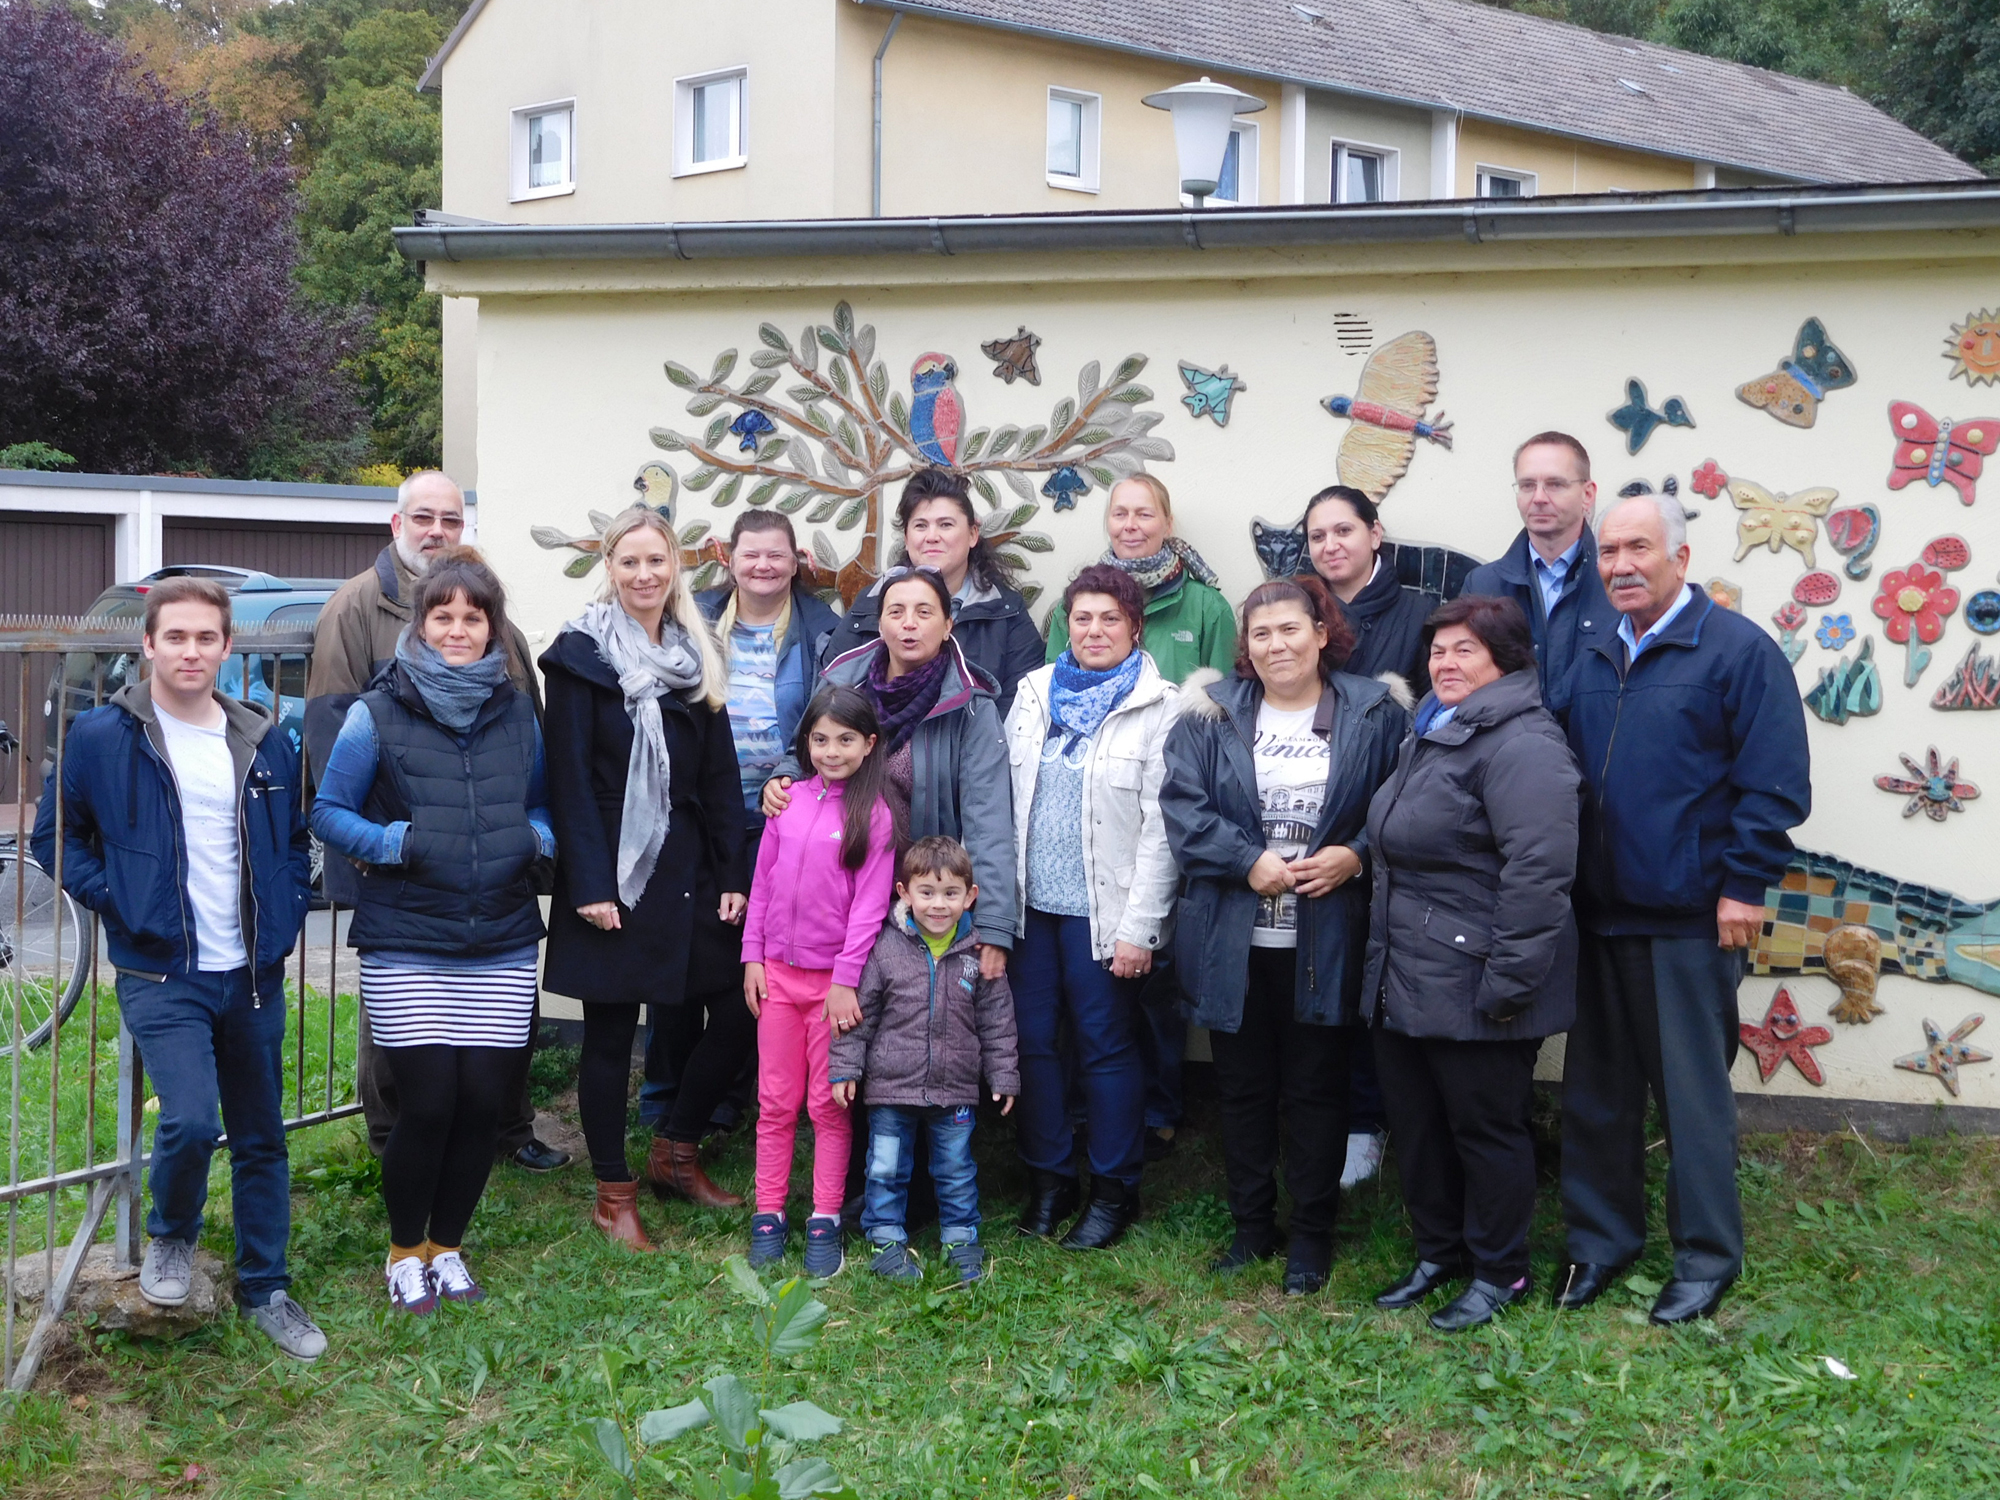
{"points": [[424, 520], [1526, 487], [911, 570]]}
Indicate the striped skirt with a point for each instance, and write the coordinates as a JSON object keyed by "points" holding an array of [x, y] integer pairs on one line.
{"points": [[448, 1007]]}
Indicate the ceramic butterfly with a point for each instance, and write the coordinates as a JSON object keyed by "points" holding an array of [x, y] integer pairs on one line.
{"points": [[1938, 450], [1778, 521], [1014, 359], [1792, 392], [1397, 385], [1209, 392], [1064, 486], [1638, 421]]}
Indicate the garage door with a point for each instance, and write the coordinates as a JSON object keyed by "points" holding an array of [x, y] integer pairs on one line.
{"points": [[49, 565], [284, 548]]}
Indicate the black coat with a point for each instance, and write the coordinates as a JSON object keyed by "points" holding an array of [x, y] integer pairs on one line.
{"points": [[1388, 621], [1582, 611], [672, 942], [1209, 802], [995, 632], [1474, 842]]}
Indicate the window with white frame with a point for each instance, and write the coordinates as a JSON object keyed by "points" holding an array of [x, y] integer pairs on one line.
{"points": [[1236, 183], [1073, 135], [1362, 173], [709, 122], [544, 150], [1503, 182]]}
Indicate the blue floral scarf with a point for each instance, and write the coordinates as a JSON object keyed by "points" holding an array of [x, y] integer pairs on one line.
{"points": [[1080, 700]]}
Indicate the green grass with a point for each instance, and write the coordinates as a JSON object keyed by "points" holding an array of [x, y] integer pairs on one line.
{"points": [[1131, 1373]]}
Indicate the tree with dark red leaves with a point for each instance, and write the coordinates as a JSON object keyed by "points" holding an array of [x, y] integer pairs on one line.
{"points": [[148, 317]]}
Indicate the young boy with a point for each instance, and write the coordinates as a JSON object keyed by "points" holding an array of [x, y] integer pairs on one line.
{"points": [[930, 1028]]}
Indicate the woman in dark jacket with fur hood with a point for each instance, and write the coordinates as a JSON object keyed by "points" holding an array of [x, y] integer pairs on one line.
{"points": [[1471, 952], [1269, 775]]}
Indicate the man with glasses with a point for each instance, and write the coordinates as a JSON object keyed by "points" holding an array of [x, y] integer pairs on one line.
{"points": [[1551, 570], [355, 638]]}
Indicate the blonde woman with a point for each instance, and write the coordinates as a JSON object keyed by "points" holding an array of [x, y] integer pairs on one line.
{"points": [[648, 811]]}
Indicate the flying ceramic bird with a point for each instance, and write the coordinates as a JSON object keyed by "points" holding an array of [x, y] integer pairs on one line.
{"points": [[935, 413], [1397, 386]]}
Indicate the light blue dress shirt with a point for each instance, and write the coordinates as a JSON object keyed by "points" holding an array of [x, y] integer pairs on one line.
{"points": [[1551, 576]]}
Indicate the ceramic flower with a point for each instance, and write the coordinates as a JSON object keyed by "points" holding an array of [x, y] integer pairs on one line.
{"points": [[1789, 617], [1914, 598], [1709, 481], [1835, 631]]}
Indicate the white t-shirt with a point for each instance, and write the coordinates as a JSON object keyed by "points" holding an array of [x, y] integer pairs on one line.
{"points": [[206, 777], [1292, 766]]}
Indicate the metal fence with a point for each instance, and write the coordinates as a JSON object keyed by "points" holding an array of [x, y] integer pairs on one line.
{"points": [[54, 981]]}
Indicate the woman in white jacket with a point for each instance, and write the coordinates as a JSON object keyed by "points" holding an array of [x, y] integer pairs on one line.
{"points": [[1086, 739]]}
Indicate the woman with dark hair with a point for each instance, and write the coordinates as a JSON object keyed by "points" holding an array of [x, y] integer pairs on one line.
{"points": [[1268, 778], [990, 621], [1471, 952], [1086, 739], [435, 788], [1344, 546]]}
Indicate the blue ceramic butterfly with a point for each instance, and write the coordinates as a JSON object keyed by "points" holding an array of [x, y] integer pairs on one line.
{"points": [[1064, 486]]}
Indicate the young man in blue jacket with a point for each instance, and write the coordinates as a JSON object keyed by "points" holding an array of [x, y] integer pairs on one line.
{"points": [[1692, 741], [181, 829]]}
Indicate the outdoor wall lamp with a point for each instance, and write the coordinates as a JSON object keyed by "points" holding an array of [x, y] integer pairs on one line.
{"points": [[1202, 112]]}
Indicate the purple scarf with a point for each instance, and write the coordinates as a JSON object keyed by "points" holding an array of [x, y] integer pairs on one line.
{"points": [[902, 703]]}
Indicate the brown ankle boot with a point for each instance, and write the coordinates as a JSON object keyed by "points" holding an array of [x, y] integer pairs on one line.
{"points": [[617, 1214], [674, 1170]]}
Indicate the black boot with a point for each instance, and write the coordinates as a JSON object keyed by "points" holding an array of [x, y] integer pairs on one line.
{"points": [[1308, 1263], [1113, 1207], [1052, 1198], [1246, 1249]]}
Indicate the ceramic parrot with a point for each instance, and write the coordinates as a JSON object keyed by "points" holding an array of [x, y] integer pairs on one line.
{"points": [[936, 416]]}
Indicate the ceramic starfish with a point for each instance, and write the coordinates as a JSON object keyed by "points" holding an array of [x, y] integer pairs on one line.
{"points": [[1933, 788], [1784, 1035], [1943, 1054]]}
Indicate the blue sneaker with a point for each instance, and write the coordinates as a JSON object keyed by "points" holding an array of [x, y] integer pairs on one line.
{"points": [[768, 1236], [968, 1260], [893, 1262], [824, 1257]]}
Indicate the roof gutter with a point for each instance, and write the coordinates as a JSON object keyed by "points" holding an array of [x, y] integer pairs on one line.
{"points": [[1743, 211]]}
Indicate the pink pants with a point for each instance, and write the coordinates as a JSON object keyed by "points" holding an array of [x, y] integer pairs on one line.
{"points": [[792, 1042]]}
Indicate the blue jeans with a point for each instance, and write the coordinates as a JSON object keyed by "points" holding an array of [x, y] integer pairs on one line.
{"points": [[1054, 973], [216, 1058], [1162, 1038], [892, 1151]]}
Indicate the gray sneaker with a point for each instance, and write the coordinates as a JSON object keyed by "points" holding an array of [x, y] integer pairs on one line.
{"points": [[285, 1324], [968, 1261], [894, 1262], [167, 1272]]}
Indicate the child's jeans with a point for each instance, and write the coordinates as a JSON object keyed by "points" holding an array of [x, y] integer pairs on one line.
{"points": [[792, 1042], [892, 1151]]}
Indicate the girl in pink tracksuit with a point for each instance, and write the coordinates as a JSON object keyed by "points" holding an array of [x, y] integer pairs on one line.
{"points": [[824, 881]]}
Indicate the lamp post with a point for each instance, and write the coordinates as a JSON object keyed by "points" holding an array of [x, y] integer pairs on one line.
{"points": [[1202, 112]]}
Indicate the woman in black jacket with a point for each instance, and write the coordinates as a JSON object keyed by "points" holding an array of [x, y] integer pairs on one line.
{"points": [[648, 809], [1268, 779], [1471, 952]]}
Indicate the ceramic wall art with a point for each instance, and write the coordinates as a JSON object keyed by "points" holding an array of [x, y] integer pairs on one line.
{"points": [[1835, 631], [1668, 486], [1638, 421], [657, 487], [1982, 612], [1973, 347], [1784, 1035], [1973, 685], [1913, 603], [1281, 550], [1792, 392], [1816, 589], [1014, 358], [1852, 956], [1708, 480], [1209, 392], [1777, 521], [1934, 788], [1947, 553], [1063, 486], [752, 428], [1396, 388], [1790, 619], [1944, 1055], [936, 413], [1849, 689], [1938, 450], [1727, 595], [1853, 533]]}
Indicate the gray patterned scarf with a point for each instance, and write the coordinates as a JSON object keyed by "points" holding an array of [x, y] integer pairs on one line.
{"points": [[1163, 567]]}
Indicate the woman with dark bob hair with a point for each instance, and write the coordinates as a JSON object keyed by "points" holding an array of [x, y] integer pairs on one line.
{"points": [[1471, 952], [1268, 778]]}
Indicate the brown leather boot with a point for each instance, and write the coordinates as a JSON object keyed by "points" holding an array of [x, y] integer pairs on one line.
{"points": [[617, 1214], [673, 1170]]}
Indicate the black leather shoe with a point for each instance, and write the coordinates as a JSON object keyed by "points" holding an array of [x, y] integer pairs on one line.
{"points": [[1476, 1305], [1160, 1142], [1424, 1278], [1307, 1264], [1581, 1283], [1684, 1301], [1249, 1247], [1052, 1198], [1113, 1207], [539, 1156]]}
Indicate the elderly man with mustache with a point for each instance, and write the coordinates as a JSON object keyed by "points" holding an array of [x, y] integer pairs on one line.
{"points": [[1689, 731]]}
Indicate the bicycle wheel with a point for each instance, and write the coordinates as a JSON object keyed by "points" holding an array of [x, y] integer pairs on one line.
{"points": [[39, 925]]}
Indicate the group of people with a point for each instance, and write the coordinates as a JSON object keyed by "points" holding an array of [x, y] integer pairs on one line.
{"points": [[913, 862]]}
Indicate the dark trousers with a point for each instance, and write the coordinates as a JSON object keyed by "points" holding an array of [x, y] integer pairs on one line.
{"points": [[672, 1034], [1162, 1036], [375, 1089], [1365, 1109], [1054, 976], [1660, 1014], [892, 1153], [217, 1058], [604, 1075], [1458, 1115], [439, 1155], [1281, 1079]]}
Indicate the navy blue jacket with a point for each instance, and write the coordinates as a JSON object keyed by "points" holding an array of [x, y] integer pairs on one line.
{"points": [[813, 624], [1582, 611], [124, 852], [1695, 770]]}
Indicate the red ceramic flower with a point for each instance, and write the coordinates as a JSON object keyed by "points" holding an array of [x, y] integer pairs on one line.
{"points": [[1914, 598], [1790, 617], [1709, 481]]}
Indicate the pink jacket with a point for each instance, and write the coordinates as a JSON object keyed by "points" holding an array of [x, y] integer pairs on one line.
{"points": [[806, 908]]}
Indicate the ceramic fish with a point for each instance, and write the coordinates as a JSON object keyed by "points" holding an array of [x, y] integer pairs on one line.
{"points": [[1209, 391], [1938, 450], [1064, 486], [1014, 359], [1792, 392], [1778, 521], [935, 414], [1638, 421], [1397, 386], [752, 427]]}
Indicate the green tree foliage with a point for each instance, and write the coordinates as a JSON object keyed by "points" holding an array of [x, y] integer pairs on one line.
{"points": [[1940, 74]]}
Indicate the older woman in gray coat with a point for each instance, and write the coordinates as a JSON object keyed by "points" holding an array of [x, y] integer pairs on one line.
{"points": [[1471, 952]]}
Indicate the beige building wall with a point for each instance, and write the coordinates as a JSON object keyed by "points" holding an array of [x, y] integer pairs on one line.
{"points": [[1332, 118], [461, 389], [1561, 165]]}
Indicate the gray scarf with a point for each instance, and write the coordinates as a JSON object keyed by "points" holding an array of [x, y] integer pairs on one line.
{"points": [[453, 695], [1164, 566], [646, 673]]}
